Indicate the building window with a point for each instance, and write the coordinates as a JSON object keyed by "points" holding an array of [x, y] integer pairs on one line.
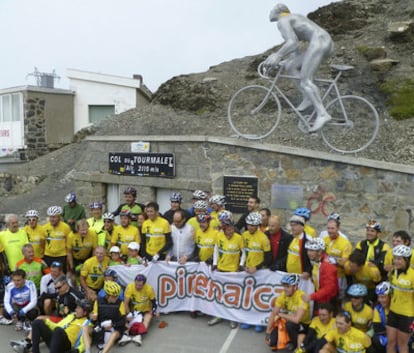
{"points": [[11, 107], [100, 112]]}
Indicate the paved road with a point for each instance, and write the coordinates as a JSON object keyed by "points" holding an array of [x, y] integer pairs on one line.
{"points": [[182, 335]]}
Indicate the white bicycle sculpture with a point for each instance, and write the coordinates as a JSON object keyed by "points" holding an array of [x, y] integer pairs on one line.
{"points": [[254, 113]]}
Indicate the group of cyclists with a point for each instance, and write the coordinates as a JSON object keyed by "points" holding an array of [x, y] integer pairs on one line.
{"points": [[66, 268]]}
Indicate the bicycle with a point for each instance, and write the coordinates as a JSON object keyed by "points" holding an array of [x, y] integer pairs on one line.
{"points": [[251, 107]]}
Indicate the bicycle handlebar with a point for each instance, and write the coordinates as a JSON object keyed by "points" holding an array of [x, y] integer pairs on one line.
{"points": [[265, 73]]}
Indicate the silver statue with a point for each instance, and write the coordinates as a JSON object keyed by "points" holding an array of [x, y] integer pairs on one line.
{"points": [[295, 28]]}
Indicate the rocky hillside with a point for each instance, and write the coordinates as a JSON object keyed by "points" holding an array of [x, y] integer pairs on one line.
{"points": [[376, 37]]}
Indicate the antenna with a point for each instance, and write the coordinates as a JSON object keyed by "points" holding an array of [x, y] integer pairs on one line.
{"points": [[44, 79]]}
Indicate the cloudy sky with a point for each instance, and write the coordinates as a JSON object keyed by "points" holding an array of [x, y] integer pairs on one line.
{"points": [[158, 39]]}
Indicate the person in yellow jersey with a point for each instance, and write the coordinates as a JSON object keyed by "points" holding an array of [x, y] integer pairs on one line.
{"points": [[35, 232], [62, 337], [345, 338], [157, 233], [104, 239], [229, 256], [297, 260], [205, 239], [130, 205], [290, 307], [92, 273], [11, 242], [124, 233], [201, 207], [217, 203], [56, 236], [96, 222], [139, 300], [318, 328], [306, 214], [258, 250], [362, 271], [80, 246], [400, 237], [401, 313], [361, 313], [338, 248]]}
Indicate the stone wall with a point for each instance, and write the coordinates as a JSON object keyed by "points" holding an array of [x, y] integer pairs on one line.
{"points": [[358, 189], [35, 127]]}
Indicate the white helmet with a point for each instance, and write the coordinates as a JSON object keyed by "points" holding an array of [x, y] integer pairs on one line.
{"points": [[201, 204], [54, 211], [199, 195], [32, 214], [218, 200], [108, 215], [315, 244], [225, 214], [384, 288], [254, 219], [402, 250]]}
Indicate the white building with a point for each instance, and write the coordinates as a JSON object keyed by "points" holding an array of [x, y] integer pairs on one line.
{"points": [[100, 95]]}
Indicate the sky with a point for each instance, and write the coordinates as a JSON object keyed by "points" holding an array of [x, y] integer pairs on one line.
{"points": [[157, 39]]}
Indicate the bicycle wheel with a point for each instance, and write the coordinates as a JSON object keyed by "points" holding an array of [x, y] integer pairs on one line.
{"points": [[254, 112], [354, 125]]}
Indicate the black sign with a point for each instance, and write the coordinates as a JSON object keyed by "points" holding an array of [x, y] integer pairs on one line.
{"points": [[237, 191], [142, 164]]}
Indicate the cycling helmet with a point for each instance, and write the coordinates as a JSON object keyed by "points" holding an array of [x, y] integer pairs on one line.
{"points": [[133, 245], [254, 219], [334, 216], [227, 222], [402, 250], [130, 191], [219, 200], [140, 277], [108, 215], [357, 290], [384, 288], [372, 223], [303, 212], [225, 214], [32, 214], [54, 211], [203, 217], [290, 279], [315, 244], [125, 213], [110, 272], [85, 304], [97, 204], [199, 195], [71, 197], [297, 219], [201, 204], [112, 288], [176, 197]]}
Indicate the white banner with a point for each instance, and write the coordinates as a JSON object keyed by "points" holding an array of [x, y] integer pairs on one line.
{"points": [[236, 296]]}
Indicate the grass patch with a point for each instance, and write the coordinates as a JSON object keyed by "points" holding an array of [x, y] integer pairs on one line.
{"points": [[400, 97]]}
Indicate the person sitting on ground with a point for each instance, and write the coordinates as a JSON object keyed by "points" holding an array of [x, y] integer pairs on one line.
{"points": [[361, 313], [345, 337], [108, 316], [290, 307], [48, 294], [110, 275]]}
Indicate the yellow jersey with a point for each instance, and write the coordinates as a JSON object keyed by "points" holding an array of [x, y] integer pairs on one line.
{"points": [[290, 305], [122, 236], [155, 234], [93, 271], [320, 328], [360, 319], [369, 275], [36, 237], [11, 244], [56, 238], [205, 242], [402, 297], [214, 223], [229, 251], [351, 341], [82, 247], [309, 230], [294, 261], [73, 328], [140, 300], [255, 245], [389, 259], [339, 248]]}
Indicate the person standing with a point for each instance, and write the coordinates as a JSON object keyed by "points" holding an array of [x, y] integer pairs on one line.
{"points": [[124, 233], [72, 211], [130, 205], [175, 202], [183, 239], [35, 233], [253, 205], [279, 243]]}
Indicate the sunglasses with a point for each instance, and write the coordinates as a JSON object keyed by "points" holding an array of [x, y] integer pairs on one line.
{"points": [[58, 287]]}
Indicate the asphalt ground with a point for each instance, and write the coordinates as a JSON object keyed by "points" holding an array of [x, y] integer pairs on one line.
{"points": [[182, 335]]}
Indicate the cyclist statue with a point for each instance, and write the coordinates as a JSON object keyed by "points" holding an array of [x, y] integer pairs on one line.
{"points": [[295, 28]]}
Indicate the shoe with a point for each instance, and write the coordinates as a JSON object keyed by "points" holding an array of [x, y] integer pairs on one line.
{"points": [[290, 347], [233, 324], [21, 346], [137, 340], [19, 326], [245, 326], [214, 321], [124, 340], [259, 328], [319, 123], [4, 321]]}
